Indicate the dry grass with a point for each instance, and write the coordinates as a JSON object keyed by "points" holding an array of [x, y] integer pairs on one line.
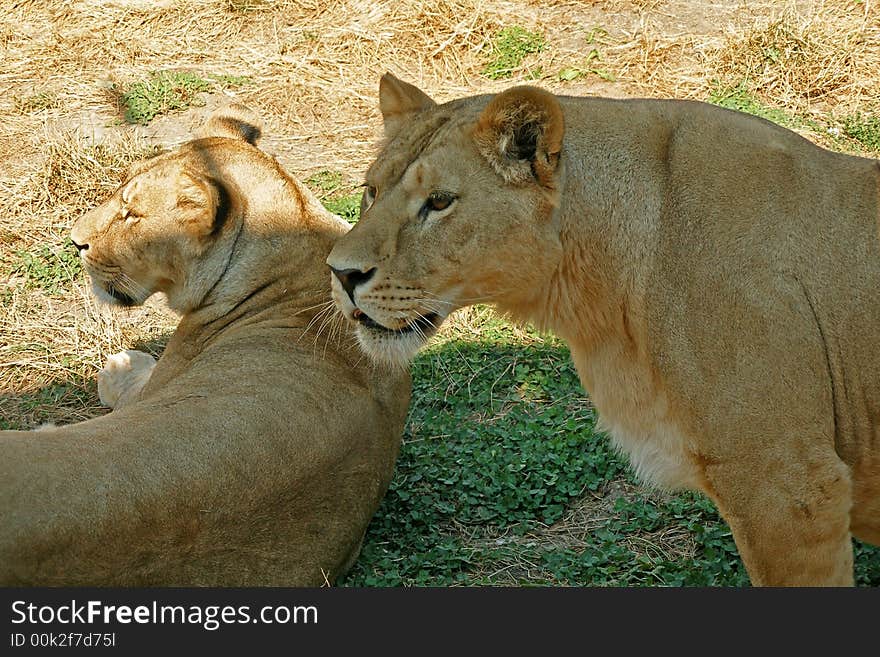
{"points": [[826, 58], [807, 58], [54, 336], [312, 68]]}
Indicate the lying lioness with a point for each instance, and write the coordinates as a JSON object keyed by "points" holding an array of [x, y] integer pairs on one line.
{"points": [[717, 278], [256, 450]]}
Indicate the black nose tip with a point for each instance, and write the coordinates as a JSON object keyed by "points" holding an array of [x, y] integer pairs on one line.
{"points": [[351, 278], [79, 247]]}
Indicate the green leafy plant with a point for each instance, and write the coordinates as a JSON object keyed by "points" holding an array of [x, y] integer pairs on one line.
{"points": [[325, 182], [500, 445], [168, 91], [856, 133], [589, 66], [348, 207], [741, 99], [865, 130], [337, 197], [49, 270], [508, 50], [162, 92], [231, 81], [570, 73]]}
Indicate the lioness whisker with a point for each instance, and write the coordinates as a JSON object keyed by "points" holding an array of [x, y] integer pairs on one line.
{"points": [[485, 298], [318, 318], [323, 305]]}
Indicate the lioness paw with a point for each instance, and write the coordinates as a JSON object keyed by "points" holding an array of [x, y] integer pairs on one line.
{"points": [[123, 377]]}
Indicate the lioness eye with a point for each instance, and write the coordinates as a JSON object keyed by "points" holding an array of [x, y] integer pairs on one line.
{"points": [[440, 202], [437, 202], [368, 198]]}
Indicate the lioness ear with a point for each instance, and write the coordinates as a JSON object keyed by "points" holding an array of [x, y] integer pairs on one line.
{"points": [[520, 134], [398, 101], [234, 121], [204, 203]]}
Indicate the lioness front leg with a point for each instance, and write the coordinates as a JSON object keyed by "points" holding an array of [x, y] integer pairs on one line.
{"points": [[790, 518], [123, 377]]}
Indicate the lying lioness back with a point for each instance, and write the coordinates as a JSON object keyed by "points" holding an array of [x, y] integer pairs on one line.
{"points": [[257, 449], [717, 278]]}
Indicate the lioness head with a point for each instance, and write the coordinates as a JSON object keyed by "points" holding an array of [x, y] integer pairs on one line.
{"points": [[458, 208], [159, 230]]}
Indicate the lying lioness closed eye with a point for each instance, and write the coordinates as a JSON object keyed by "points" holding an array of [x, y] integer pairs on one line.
{"points": [[256, 450], [717, 278]]}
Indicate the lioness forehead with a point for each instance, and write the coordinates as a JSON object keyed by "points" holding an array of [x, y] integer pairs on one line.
{"points": [[198, 154], [419, 134], [139, 167], [148, 176]]}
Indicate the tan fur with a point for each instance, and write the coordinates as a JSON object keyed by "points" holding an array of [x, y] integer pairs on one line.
{"points": [[257, 449], [717, 278]]}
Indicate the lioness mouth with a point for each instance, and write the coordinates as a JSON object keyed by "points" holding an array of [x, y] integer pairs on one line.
{"points": [[120, 297], [424, 324]]}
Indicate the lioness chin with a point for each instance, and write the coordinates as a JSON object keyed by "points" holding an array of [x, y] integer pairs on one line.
{"points": [[716, 277], [258, 447]]}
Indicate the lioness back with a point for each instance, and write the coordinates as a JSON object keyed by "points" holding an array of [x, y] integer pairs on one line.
{"points": [[716, 276]]}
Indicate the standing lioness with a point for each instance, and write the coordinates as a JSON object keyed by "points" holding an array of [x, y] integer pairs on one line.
{"points": [[717, 278], [256, 450]]}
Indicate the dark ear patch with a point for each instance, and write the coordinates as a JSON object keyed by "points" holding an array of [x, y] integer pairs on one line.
{"points": [[223, 210], [520, 134], [235, 122], [525, 141], [205, 202]]}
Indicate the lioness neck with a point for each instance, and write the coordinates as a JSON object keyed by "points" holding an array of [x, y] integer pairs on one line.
{"points": [[608, 219], [271, 255]]}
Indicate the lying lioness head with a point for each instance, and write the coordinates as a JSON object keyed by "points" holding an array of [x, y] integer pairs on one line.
{"points": [[258, 447], [169, 226], [717, 278]]}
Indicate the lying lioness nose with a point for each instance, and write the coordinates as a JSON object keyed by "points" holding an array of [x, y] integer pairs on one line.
{"points": [[351, 278], [79, 247]]}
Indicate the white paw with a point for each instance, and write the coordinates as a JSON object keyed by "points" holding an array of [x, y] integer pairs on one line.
{"points": [[123, 376]]}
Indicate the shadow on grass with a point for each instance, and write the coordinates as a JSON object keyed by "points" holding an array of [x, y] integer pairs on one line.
{"points": [[67, 399], [153, 345], [500, 445]]}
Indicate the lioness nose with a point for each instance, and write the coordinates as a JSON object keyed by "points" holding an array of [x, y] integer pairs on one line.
{"points": [[351, 278], [80, 247]]}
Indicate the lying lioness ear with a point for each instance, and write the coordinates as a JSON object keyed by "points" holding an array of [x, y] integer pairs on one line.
{"points": [[205, 204], [234, 121], [398, 101], [520, 134]]}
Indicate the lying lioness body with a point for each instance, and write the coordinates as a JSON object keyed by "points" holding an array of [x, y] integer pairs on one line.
{"points": [[717, 278], [256, 450]]}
